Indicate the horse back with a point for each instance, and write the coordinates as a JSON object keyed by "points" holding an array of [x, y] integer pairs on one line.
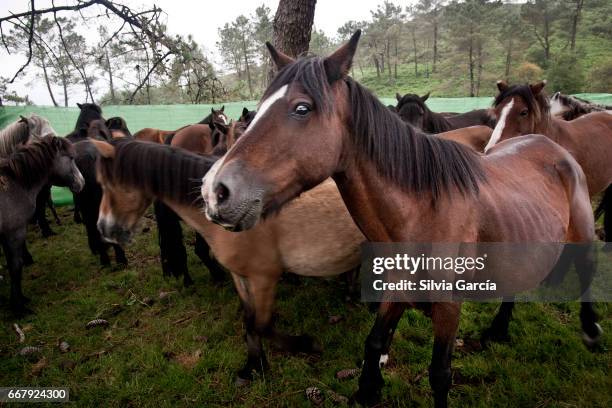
{"points": [[195, 138], [533, 190]]}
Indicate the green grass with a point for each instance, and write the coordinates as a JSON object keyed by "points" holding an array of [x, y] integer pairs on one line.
{"points": [[185, 351]]}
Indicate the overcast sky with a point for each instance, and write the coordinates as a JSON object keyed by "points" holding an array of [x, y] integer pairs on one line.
{"points": [[200, 18]]}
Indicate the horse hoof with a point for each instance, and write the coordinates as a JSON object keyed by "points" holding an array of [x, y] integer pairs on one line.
{"points": [[591, 342], [242, 382], [367, 399], [493, 336]]}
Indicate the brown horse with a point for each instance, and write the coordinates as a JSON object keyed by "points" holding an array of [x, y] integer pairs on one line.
{"points": [[153, 135], [313, 236], [524, 109], [118, 127], [400, 186], [413, 110]]}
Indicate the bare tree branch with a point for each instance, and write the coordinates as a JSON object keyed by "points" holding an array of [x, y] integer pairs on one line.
{"points": [[144, 80], [30, 38]]}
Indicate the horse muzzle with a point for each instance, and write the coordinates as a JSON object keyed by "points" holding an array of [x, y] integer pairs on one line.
{"points": [[113, 233], [231, 200]]}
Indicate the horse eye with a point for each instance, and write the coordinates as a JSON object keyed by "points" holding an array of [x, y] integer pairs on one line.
{"points": [[524, 112], [302, 109]]}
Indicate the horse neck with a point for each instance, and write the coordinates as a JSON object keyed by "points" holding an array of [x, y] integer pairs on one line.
{"points": [[437, 123], [367, 195]]}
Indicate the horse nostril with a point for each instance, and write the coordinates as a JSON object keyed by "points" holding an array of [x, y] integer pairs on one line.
{"points": [[222, 193]]}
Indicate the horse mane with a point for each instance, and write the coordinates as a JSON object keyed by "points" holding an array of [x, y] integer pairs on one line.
{"points": [[159, 170], [30, 163], [538, 104], [578, 106], [433, 122], [14, 134], [414, 161]]}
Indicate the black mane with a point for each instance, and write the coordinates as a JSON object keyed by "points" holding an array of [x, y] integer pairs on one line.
{"points": [[414, 161], [30, 163], [578, 106], [161, 171]]}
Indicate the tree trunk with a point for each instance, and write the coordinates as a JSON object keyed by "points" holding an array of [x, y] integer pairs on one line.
{"points": [[435, 46], [508, 60], [377, 65], [575, 19], [65, 86], [471, 63], [46, 76], [246, 65], [414, 46], [388, 49], [479, 72], [292, 27], [110, 76]]}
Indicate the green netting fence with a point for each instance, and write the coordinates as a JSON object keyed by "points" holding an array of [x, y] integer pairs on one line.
{"points": [[171, 117]]}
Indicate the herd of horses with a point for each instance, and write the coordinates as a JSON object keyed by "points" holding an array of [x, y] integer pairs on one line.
{"points": [[322, 166]]}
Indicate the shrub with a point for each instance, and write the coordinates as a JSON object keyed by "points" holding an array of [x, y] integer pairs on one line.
{"points": [[566, 74], [528, 72]]}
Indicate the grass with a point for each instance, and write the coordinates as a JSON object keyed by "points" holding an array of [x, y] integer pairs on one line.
{"points": [[185, 350]]}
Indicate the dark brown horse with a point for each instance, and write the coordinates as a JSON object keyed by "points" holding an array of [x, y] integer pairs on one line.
{"points": [[400, 186], [118, 127], [524, 109], [413, 110]]}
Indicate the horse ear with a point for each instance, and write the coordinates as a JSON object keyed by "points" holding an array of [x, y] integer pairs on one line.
{"points": [[537, 88], [245, 112], [280, 60], [502, 85], [79, 105], [425, 97], [398, 96], [222, 108], [105, 149], [212, 110], [23, 119], [339, 63]]}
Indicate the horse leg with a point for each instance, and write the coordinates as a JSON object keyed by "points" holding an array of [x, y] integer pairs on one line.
{"points": [[77, 209], [40, 214], [53, 211], [257, 296], [445, 321], [120, 255], [13, 247], [498, 331], [27, 256], [371, 380], [170, 237], [606, 208], [202, 250], [585, 266]]}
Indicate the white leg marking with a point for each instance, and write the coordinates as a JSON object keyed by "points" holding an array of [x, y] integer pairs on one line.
{"points": [[384, 358], [499, 128]]}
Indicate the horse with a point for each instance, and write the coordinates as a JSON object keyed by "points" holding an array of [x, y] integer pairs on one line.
{"points": [[22, 175], [412, 109], [524, 109], [215, 116], [26, 129], [399, 185], [88, 201], [571, 107], [154, 135], [247, 116], [88, 112], [118, 127]]}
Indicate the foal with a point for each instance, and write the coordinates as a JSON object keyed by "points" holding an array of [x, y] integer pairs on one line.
{"points": [[22, 175], [399, 186]]}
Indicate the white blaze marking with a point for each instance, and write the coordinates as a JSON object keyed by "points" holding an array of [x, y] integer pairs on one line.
{"points": [[223, 118], [384, 358], [499, 128], [210, 199]]}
